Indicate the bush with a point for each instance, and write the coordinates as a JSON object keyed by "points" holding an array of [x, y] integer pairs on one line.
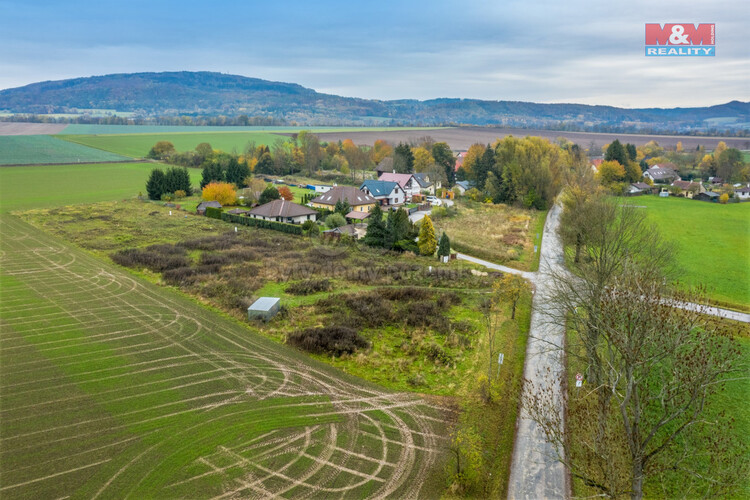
{"points": [[335, 220], [308, 287], [214, 258], [223, 192], [151, 259], [310, 228], [336, 340], [425, 314]]}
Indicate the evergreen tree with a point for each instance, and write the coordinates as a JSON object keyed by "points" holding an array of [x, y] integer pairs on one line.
{"points": [[265, 164], [156, 184], [236, 173], [616, 152], [427, 241], [444, 247], [212, 172], [632, 152], [485, 165], [375, 236], [269, 194], [342, 207], [403, 159]]}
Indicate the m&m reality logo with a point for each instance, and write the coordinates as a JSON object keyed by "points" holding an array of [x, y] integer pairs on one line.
{"points": [[680, 39]]}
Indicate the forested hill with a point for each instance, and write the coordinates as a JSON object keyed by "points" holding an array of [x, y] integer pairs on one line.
{"points": [[211, 94]]}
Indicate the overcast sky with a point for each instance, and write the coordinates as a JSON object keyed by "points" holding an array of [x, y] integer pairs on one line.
{"points": [[589, 52]]}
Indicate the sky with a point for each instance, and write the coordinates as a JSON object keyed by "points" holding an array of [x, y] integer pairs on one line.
{"points": [[589, 52]]}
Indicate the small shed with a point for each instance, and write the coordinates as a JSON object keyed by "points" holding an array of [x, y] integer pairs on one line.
{"points": [[707, 196], [264, 308], [201, 208]]}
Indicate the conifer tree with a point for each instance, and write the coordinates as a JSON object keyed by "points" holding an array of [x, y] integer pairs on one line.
{"points": [[444, 247], [156, 184], [375, 236], [427, 241]]}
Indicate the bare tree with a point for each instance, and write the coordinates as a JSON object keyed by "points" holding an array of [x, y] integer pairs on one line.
{"points": [[650, 366]]}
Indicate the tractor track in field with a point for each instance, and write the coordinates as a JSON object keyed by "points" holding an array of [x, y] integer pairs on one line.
{"points": [[383, 442]]}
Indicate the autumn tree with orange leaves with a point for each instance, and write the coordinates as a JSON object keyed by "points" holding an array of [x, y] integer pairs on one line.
{"points": [[223, 192]]}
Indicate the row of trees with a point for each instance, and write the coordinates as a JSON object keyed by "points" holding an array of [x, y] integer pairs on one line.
{"points": [[650, 367], [175, 179]]}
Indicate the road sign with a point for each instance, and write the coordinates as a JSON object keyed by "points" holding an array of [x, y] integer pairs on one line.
{"points": [[579, 383], [500, 358], [579, 377]]}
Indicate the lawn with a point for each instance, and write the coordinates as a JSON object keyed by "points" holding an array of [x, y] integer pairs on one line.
{"points": [[114, 387], [497, 233], [42, 149], [55, 185], [713, 244]]}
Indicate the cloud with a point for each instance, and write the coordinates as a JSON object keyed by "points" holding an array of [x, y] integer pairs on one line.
{"points": [[575, 51]]}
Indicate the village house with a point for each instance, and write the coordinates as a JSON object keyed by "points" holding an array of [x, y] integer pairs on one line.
{"points": [[386, 192], [283, 211], [462, 186], [662, 174], [385, 165], [743, 193], [202, 206], [707, 196], [688, 188], [638, 188], [408, 183], [427, 182], [355, 231], [358, 200]]}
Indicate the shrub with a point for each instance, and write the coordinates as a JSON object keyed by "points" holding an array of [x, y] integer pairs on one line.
{"points": [[425, 314], [336, 340], [214, 258], [724, 198], [335, 220], [179, 276], [179, 194], [150, 259], [308, 287], [223, 192], [437, 354]]}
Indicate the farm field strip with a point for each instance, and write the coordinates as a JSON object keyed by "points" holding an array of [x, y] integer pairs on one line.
{"points": [[39, 149], [146, 393]]}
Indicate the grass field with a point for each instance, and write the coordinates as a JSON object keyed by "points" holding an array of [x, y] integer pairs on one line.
{"points": [[713, 244], [158, 129], [111, 386], [138, 145], [39, 149], [56, 185], [498, 233]]}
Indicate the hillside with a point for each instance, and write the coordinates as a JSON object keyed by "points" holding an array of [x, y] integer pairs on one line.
{"points": [[210, 94]]}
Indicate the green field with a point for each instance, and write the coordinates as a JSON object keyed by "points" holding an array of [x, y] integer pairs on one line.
{"points": [[713, 244], [56, 185], [158, 129], [38, 149], [114, 387], [138, 145]]}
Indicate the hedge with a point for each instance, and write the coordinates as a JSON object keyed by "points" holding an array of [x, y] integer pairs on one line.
{"points": [[214, 212], [265, 224]]}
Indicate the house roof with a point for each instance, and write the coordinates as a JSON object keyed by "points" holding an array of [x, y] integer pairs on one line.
{"points": [[661, 171], [237, 211], [354, 196], [206, 204], [357, 215], [264, 304], [402, 179], [641, 185], [379, 188], [686, 185], [710, 194], [282, 208], [350, 229], [745, 189], [421, 178], [465, 184]]}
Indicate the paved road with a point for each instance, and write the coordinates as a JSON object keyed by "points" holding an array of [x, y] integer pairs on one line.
{"points": [[490, 265], [535, 471]]}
